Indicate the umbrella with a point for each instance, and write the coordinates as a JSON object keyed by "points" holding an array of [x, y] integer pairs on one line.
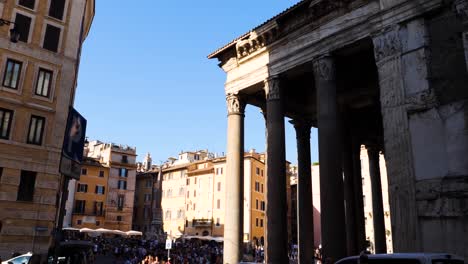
{"points": [[104, 231], [119, 232], [134, 233], [87, 230], [70, 229]]}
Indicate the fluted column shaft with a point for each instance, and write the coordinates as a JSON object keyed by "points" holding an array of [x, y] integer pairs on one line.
{"points": [[377, 202], [305, 208], [330, 154], [276, 207], [233, 226]]}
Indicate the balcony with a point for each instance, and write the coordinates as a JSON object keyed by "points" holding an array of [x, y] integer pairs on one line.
{"points": [[202, 222]]}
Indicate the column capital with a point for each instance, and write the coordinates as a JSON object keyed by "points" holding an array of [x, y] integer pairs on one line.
{"points": [[324, 68], [461, 10], [235, 104], [302, 127], [272, 88], [387, 43]]}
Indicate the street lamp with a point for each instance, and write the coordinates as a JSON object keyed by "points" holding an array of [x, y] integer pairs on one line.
{"points": [[14, 33]]}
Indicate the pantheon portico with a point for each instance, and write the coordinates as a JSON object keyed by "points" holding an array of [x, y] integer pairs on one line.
{"points": [[388, 74]]}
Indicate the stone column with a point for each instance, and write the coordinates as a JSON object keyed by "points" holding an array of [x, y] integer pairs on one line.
{"points": [[358, 195], [276, 206], [349, 192], [398, 150], [377, 202], [330, 151], [233, 227], [305, 208]]}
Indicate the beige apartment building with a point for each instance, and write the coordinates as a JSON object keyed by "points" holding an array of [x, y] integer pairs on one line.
{"points": [[120, 161], [37, 87], [193, 200]]}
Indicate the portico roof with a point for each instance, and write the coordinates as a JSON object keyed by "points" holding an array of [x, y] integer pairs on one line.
{"points": [[233, 42]]}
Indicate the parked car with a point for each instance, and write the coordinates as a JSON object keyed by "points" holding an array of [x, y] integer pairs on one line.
{"points": [[403, 258], [21, 259]]}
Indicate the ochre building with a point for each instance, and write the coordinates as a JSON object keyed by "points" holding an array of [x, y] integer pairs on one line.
{"points": [[37, 87]]}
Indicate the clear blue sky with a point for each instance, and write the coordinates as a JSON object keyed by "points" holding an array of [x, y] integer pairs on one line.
{"points": [[145, 80]]}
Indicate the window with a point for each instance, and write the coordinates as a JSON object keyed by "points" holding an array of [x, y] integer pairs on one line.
{"points": [[364, 200], [26, 186], [217, 222], [101, 173], [124, 159], [120, 202], [188, 181], [84, 171], [119, 218], [6, 116], [219, 186], [218, 204], [23, 25], [181, 191], [82, 188], [256, 204], [123, 172], [168, 214], [261, 189], [100, 189], [256, 222], [261, 222], [80, 206], [262, 205], [257, 186], [257, 170], [221, 171], [98, 208], [122, 185], [194, 206], [180, 214], [27, 3], [1, 173], [36, 129], [78, 222], [44, 81], [12, 74], [148, 184], [169, 193], [188, 208], [57, 8], [188, 194], [186, 223], [261, 173], [194, 193], [147, 197], [195, 179], [98, 223]]}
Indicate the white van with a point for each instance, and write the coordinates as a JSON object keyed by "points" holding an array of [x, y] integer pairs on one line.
{"points": [[403, 258]]}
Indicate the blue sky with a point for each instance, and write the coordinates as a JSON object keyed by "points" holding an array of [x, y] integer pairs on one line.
{"points": [[145, 80]]}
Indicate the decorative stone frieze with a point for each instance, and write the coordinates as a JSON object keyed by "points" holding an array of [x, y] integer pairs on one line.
{"points": [[387, 44], [422, 101], [272, 88], [235, 104], [255, 41], [324, 68]]}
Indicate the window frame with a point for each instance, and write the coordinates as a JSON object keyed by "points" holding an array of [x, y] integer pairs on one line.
{"points": [[9, 125], [51, 83], [43, 35], [42, 133], [21, 196], [20, 73], [27, 8], [65, 11], [17, 11]]}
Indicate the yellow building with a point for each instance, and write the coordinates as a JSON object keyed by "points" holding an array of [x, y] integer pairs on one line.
{"points": [[37, 86], [117, 196], [90, 195]]}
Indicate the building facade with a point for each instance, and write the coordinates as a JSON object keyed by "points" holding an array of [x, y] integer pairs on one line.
{"points": [[38, 83], [119, 192], [90, 192], [147, 211]]}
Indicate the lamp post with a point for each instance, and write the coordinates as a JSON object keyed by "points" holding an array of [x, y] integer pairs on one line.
{"points": [[14, 33]]}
